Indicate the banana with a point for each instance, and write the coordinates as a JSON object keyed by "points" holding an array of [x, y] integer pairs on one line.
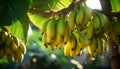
{"points": [[100, 46], [8, 40], [61, 44], [13, 46], [67, 33], [44, 39], [44, 26], [60, 29], [22, 47], [18, 56], [80, 16], [87, 15], [92, 47], [90, 51], [50, 30], [15, 40], [67, 49], [73, 42], [52, 45], [71, 19], [103, 20], [90, 33], [96, 22], [80, 39]]}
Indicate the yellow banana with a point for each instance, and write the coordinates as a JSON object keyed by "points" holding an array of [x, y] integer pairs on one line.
{"points": [[92, 47], [73, 42], [18, 56], [60, 29], [67, 49], [44, 39], [51, 30], [52, 45], [16, 41], [80, 16], [90, 33], [87, 15], [67, 33], [22, 47], [13, 46], [100, 46]]}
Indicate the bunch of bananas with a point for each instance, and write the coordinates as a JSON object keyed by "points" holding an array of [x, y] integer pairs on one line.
{"points": [[75, 45], [95, 35], [56, 32], [81, 29], [11, 47]]}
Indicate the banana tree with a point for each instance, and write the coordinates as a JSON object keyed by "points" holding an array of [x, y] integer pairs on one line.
{"points": [[64, 23]]}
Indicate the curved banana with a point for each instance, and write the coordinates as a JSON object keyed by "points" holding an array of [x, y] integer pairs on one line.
{"points": [[22, 47], [60, 30], [96, 22], [67, 49], [51, 30], [87, 15], [71, 19], [44, 26], [103, 19], [44, 39], [80, 16], [100, 46], [90, 33], [93, 46], [67, 33]]}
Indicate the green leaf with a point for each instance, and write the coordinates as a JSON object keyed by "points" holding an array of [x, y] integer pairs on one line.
{"points": [[115, 4], [13, 10], [19, 28], [54, 5], [37, 20]]}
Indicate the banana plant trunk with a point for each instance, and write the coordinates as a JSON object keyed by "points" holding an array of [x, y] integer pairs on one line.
{"points": [[114, 54]]}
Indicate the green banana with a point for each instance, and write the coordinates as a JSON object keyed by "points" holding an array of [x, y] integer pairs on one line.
{"points": [[80, 16], [71, 19], [96, 22], [87, 15], [44, 26], [103, 20], [60, 29], [51, 30]]}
